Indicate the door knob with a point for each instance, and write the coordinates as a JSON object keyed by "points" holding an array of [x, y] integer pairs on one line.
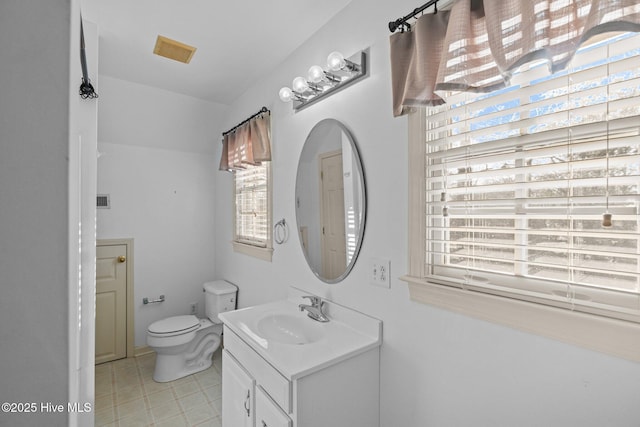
{"points": [[122, 258]]}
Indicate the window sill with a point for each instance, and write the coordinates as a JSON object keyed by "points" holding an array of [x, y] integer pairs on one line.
{"points": [[264, 254], [614, 337]]}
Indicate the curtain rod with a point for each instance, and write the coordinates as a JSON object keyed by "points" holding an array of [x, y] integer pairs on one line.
{"points": [[262, 110], [402, 22]]}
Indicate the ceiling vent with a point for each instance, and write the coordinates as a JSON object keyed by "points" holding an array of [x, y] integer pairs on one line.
{"points": [[173, 50]]}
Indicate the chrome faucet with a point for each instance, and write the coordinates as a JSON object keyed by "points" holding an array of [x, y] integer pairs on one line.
{"points": [[314, 310]]}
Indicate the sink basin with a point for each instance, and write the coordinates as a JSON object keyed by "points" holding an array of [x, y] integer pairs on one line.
{"points": [[296, 345], [289, 329]]}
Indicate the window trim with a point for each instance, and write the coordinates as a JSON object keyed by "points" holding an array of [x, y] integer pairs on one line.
{"points": [[264, 253], [606, 335]]}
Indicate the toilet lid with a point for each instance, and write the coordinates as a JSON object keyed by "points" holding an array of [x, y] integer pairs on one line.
{"points": [[174, 324]]}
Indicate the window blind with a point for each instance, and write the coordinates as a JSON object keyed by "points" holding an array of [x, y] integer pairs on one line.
{"points": [[518, 181], [251, 194]]}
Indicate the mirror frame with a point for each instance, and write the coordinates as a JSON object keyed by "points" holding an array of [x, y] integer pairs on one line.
{"points": [[363, 190]]}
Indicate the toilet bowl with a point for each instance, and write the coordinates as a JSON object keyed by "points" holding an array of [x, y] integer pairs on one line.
{"points": [[185, 344]]}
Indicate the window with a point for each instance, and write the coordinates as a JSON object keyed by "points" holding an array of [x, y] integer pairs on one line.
{"points": [[252, 195], [246, 152], [507, 215]]}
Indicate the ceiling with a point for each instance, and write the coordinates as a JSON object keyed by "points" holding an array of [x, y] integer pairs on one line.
{"points": [[237, 41]]}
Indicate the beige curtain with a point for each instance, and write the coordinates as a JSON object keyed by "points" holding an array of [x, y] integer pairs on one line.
{"points": [[248, 144], [260, 131], [477, 45]]}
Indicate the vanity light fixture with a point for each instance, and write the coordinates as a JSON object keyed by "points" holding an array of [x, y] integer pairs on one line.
{"points": [[340, 72]]}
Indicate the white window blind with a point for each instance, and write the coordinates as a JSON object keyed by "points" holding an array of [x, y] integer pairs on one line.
{"points": [[251, 200], [518, 181]]}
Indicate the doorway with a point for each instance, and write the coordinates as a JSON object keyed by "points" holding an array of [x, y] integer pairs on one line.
{"points": [[114, 300], [332, 233]]}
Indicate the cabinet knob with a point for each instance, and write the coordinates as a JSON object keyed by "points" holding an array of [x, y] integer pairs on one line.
{"points": [[122, 258]]}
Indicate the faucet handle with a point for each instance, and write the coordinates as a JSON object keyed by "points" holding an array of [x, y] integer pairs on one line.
{"points": [[315, 300]]}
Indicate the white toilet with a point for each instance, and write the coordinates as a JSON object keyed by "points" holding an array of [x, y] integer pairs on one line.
{"points": [[184, 345]]}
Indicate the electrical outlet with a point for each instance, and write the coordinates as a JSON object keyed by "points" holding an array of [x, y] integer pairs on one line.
{"points": [[193, 307], [380, 272]]}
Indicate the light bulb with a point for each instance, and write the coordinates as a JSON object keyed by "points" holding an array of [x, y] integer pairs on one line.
{"points": [[335, 61], [316, 74], [285, 94], [300, 84]]}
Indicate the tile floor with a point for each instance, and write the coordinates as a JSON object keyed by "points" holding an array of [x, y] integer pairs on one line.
{"points": [[127, 396]]}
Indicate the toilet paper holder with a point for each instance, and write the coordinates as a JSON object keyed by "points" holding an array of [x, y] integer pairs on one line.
{"points": [[146, 300]]}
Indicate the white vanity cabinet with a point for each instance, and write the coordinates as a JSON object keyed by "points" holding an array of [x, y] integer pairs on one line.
{"points": [[268, 413], [255, 393], [247, 404], [238, 385], [280, 368]]}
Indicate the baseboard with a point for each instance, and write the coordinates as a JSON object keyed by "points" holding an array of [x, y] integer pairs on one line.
{"points": [[142, 350]]}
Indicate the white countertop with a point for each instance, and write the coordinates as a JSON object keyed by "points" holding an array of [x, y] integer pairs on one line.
{"points": [[347, 334]]}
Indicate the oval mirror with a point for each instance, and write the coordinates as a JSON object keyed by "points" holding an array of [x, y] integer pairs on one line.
{"points": [[330, 201]]}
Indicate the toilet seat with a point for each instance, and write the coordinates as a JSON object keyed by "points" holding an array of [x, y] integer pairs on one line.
{"points": [[175, 325]]}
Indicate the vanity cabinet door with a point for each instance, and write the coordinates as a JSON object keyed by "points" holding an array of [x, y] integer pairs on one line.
{"points": [[238, 389], [268, 414]]}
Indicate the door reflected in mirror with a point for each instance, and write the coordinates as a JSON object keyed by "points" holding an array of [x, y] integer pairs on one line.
{"points": [[330, 201]]}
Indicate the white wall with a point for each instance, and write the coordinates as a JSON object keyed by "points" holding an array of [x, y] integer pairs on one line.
{"points": [[38, 145], [437, 368], [136, 114], [157, 164]]}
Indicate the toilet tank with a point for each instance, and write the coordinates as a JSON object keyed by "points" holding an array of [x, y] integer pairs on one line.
{"points": [[219, 296]]}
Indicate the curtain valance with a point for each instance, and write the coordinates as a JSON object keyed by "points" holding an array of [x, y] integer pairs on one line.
{"points": [[478, 44], [247, 144]]}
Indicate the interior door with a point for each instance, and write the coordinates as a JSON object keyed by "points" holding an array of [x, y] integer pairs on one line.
{"points": [[111, 303], [334, 248]]}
